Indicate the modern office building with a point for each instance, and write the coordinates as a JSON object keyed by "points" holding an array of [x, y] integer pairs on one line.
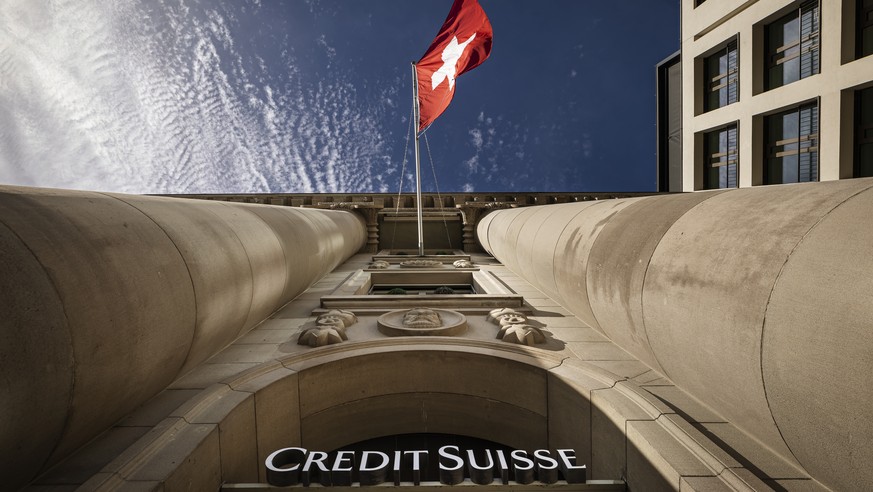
{"points": [[773, 92], [716, 340]]}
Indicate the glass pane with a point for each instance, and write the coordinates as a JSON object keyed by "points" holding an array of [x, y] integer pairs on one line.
{"points": [[791, 29], [864, 134], [733, 78], [791, 71], [865, 161], [866, 96], [808, 159], [774, 77], [723, 70], [867, 41], [710, 174], [789, 169], [790, 127], [720, 142], [732, 176], [809, 28], [712, 71], [774, 171], [781, 127], [781, 33]]}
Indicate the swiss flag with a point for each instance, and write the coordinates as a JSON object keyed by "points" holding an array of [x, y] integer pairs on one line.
{"points": [[462, 44]]}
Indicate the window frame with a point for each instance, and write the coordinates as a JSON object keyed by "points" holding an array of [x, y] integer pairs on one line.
{"points": [[863, 135], [808, 45], [863, 22], [805, 143], [725, 158], [716, 82]]}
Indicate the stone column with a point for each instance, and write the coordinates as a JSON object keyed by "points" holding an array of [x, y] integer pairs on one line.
{"points": [[471, 214], [755, 301], [108, 298]]}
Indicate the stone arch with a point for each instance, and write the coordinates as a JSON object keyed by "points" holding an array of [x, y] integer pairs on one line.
{"points": [[342, 394]]}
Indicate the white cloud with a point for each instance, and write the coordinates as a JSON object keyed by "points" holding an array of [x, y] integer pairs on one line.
{"points": [[476, 139], [160, 99], [322, 41]]}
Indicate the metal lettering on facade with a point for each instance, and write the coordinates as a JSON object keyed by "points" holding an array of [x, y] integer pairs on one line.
{"points": [[292, 466]]}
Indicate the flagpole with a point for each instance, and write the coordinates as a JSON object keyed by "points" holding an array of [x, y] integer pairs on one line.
{"points": [[418, 213]]}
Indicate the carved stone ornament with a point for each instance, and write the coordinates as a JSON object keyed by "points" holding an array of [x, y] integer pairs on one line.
{"points": [[463, 264], [521, 334], [379, 265], [330, 328], [514, 327], [420, 263], [422, 321], [506, 316]]}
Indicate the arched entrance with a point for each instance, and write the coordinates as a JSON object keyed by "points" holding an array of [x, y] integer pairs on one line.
{"points": [[344, 394]]}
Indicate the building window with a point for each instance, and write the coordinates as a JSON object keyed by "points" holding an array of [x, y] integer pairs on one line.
{"points": [[864, 28], [864, 133], [720, 163], [793, 46], [698, 3], [721, 77], [792, 145]]}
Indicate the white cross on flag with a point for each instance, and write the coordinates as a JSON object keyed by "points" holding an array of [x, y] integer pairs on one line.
{"points": [[462, 44]]}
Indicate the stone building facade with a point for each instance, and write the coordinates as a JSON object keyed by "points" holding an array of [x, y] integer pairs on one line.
{"points": [[173, 344]]}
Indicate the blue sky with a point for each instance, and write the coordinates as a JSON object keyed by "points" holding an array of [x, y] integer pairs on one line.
{"points": [[188, 96]]}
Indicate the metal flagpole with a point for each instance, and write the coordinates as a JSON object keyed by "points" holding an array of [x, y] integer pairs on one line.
{"points": [[418, 215]]}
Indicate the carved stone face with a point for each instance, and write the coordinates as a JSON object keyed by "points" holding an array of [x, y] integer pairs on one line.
{"points": [[511, 319], [336, 317], [422, 318], [333, 321], [506, 316]]}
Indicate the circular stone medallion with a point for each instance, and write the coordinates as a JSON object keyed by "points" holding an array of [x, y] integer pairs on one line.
{"points": [[451, 323]]}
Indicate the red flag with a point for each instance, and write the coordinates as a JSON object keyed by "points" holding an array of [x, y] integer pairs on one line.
{"points": [[462, 44]]}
